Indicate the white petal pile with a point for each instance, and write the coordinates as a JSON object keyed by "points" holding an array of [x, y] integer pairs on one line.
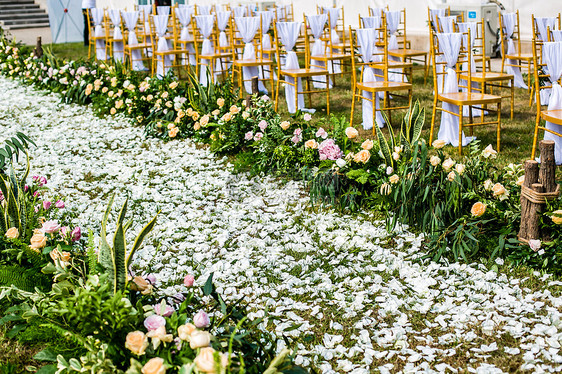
{"points": [[342, 287]]}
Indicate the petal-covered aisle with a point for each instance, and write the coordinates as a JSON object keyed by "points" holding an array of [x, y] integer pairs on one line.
{"points": [[340, 286]]}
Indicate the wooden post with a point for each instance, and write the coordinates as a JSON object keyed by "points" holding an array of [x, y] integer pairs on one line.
{"points": [[535, 211], [38, 51], [531, 177], [548, 166], [255, 91]]}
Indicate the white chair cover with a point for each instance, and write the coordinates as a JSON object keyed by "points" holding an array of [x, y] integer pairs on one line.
{"points": [[371, 22], [131, 19], [377, 12], [204, 10], [222, 22], [509, 20], [239, 11], [288, 33], [205, 25], [334, 66], [115, 16], [366, 40], [434, 15], [450, 44], [161, 26], [146, 12], [557, 35], [266, 19], [447, 23], [393, 21], [97, 18], [552, 56], [463, 28], [163, 10], [316, 22], [543, 24], [248, 27], [184, 14]]}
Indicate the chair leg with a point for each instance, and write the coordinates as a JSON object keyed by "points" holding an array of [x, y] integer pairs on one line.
{"points": [[460, 129], [534, 151], [499, 124], [327, 96], [512, 97], [433, 118], [352, 106]]}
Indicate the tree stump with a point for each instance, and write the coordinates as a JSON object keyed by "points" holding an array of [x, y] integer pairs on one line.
{"points": [[548, 166], [255, 91], [38, 51], [531, 177]]}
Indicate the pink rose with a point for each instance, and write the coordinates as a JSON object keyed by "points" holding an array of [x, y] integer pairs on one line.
{"points": [[46, 205], [258, 136], [262, 125], [25, 189], [329, 150], [36, 194], [59, 204], [76, 234], [249, 135], [201, 320], [168, 310], [307, 117], [189, 280], [151, 278], [50, 227], [321, 133], [153, 322]]}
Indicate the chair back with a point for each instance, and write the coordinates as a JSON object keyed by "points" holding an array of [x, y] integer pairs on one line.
{"points": [[369, 47], [449, 54], [542, 25]]}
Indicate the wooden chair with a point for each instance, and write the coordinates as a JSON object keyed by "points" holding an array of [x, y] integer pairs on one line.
{"points": [[115, 40], [373, 66], [98, 23], [450, 100], [163, 57], [184, 39], [485, 78], [543, 81], [291, 75], [136, 52], [256, 62], [433, 18], [405, 53], [214, 58]]}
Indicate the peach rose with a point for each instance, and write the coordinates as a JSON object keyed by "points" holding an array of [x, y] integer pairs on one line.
{"points": [[12, 233], [173, 132], [199, 339], [489, 152], [220, 102], [488, 184], [154, 366], [112, 111], [140, 284], [312, 144], [234, 109], [58, 255], [557, 217], [204, 120], [205, 361], [185, 331], [136, 342], [196, 126], [367, 144], [38, 240], [434, 160], [438, 144], [520, 180], [499, 191], [394, 179], [451, 176], [460, 168], [227, 117], [351, 132], [478, 209], [173, 85], [448, 164], [285, 125], [216, 112], [362, 156]]}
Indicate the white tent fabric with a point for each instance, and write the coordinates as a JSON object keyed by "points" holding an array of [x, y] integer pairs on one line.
{"points": [[288, 33], [248, 27], [316, 22], [366, 39], [131, 19], [450, 44], [66, 21], [161, 26], [334, 15], [184, 14], [508, 21], [222, 22], [97, 18], [115, 16], [552, 55], [463, 28], [205, 25]]}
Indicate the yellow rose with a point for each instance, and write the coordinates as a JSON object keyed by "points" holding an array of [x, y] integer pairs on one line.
{"points": [[285, 125], [136, 342], [557, 217], [434, 160], [362, 156], [351, 132], [38, 240], [367, 144], [394, 179], [205, 361], [154, 366], [478, 209], [220, 102], [312, 144], [438, 144], [140, 284], [199, 339], [185, 331], [12, 233], [448, 164]]}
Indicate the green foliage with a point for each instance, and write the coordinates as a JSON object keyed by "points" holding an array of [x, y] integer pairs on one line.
{"points": [[115, 259], [22, 278], [12, 148]]}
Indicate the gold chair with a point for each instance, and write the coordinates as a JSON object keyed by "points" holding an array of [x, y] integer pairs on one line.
{"points": [[94, 40], [137, 45], [379, 82], [459, 99], [215, 59]]}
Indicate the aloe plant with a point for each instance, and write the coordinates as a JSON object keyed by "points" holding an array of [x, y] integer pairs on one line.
{"points": [[12, 148], [14, 207], [115, 259]]}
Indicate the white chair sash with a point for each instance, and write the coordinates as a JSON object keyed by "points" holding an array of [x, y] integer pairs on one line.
{"points": [[204, 10], [434, 15], [161, 26], [184, 14], [393, 21], [97, 18], [239, 11], [222, 22], [316, 22], [509, 20], [266, 19], [131, 19], [288, 33], [552, 56], [366, 40], [248, 27], [447, 23], [557, 35], [334, 15], [377, 12], [450, 44], [163, 10], [205, 24], [373, 22], [543, 24], [115, 16], [463, 28]]}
